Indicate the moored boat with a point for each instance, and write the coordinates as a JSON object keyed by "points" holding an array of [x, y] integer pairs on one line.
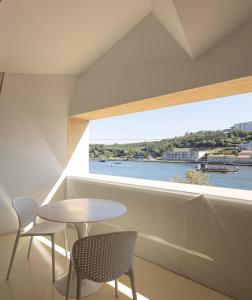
{"points": [[219, 169]]}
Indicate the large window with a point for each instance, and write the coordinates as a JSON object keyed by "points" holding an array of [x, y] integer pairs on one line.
{"points": [[208, 143]]}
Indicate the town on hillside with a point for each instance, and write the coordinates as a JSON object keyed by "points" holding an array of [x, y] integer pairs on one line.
{"points": [[231, 146]]}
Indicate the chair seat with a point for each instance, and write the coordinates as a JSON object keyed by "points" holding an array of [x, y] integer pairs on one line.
{"points": [[46, 228]]}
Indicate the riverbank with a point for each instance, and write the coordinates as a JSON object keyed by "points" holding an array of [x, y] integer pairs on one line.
{"points": [[169, 171], [167, 161]]}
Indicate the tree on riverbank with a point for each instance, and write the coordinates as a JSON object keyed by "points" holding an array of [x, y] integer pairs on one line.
{"points": [[218, 142], [193, 177]]}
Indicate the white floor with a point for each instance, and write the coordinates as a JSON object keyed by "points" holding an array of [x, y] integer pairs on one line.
{"points": [[31, 280]]}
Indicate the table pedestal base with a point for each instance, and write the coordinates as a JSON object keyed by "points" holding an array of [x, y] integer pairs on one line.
{"points": [[88, 287]]}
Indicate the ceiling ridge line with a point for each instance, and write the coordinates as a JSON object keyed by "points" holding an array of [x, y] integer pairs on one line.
{"points": [[173, 14]]}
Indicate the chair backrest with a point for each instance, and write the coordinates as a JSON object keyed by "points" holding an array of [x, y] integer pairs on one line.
{"points": [[104, 257], [27, 211]]}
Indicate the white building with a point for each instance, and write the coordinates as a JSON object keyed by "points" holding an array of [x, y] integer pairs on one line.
{"points": [[243, 160], [246, 152], [183, 155], [246, 126], [221, 159], [246, 146]]}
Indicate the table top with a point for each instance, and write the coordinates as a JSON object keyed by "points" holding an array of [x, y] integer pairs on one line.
{"points": [[82, 210]]}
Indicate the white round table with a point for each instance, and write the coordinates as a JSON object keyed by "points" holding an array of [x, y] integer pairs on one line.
{"points": [[80, 212]]}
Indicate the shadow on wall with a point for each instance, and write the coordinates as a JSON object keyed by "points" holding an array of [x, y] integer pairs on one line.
{"points": [[33, 144]]}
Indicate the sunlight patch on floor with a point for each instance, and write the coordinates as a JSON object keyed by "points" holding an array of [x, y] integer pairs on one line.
{"points": [[126, 290], [58, 248]]}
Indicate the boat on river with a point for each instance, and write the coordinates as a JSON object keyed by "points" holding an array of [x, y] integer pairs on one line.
{"points": [[218, 169], [102, 160]]}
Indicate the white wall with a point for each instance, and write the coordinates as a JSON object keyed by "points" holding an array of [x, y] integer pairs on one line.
{"points": [[33, 138], [207, 239], [148, 62]]}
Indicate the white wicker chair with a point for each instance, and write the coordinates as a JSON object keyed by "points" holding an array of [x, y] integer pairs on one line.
{"points": [[27, 209], [103, 258]]}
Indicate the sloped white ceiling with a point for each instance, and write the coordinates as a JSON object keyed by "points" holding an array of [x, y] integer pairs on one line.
{"points": [[206, 22], [66, 37], [63, 36], [165, 11]]}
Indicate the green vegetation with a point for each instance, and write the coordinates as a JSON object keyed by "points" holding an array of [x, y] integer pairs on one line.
{"points": [[217, 142], [193, 177]]}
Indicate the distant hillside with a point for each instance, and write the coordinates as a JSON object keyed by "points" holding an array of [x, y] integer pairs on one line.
{"points": [[217, 141]]}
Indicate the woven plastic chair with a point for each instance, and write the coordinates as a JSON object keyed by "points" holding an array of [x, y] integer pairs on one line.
{"points": [[27, 210], [103, 258]]}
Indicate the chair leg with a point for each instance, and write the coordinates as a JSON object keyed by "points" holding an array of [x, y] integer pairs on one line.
{"points": [[53, 258], [69, 279], [79, 281], [133, 284], [116, 288], [65, 241], [13, 255], [30, 244]]}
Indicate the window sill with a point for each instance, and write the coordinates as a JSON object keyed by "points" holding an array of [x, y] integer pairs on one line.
{"points": [[162, 186]]}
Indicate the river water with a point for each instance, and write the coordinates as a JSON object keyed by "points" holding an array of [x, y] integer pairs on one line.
{"points": [[167, 171]]}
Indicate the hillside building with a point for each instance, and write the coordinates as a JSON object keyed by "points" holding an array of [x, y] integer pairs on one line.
{"points": [[245, 126], [184, 155], [246, 146], [221, 159], [244, 158]]}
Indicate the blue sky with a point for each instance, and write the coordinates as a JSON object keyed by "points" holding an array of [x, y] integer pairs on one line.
{"points": [[173, 121]]}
